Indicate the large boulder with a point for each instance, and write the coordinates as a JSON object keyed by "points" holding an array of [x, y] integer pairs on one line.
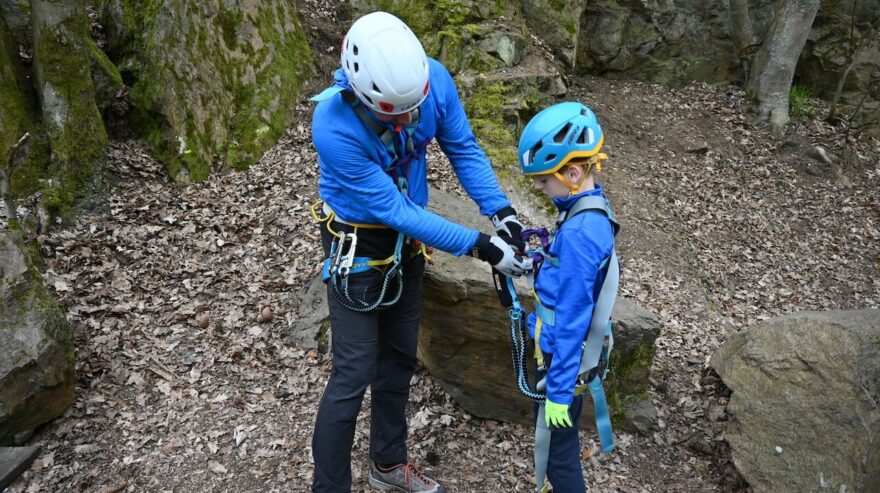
{"points": [[210, 80], [37, 378], [465, 338], [804, 412]]}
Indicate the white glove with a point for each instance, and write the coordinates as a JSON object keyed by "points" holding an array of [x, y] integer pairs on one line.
{"points": [[500, 255], [509, 228]]}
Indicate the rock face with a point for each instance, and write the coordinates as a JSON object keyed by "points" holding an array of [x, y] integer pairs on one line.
{"points": [[14, 122], [664, 42], [211, 80], [37, 378], [677, 41], [557, 21], [62, 76], [804, 412]]}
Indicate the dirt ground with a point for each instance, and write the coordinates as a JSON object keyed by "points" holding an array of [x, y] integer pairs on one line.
{"points": [[182, 298]]}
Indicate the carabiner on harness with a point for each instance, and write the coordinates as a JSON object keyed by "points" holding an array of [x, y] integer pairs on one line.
{"points": [[343, 265]]}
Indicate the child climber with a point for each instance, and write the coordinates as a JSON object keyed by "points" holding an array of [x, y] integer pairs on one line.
{"points": [[575, 283]]}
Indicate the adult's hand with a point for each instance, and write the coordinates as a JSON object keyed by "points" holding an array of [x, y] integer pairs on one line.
{"points": [[509, 228], [500, 255]]}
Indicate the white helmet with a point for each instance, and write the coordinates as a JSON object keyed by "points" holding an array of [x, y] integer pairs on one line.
{"points": [[385, 64]]}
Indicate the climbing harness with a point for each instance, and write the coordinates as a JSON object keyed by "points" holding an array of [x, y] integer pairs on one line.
{"points": [[343, 261], [597, 346]]}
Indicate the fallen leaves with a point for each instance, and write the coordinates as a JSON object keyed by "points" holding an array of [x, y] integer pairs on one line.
{"points": [[182, 297]]}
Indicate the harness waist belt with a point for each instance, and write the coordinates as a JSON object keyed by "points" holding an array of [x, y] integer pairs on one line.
{"points": [[329, 212]]}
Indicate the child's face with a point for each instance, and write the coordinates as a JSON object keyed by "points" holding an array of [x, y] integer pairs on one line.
{"points": [[550, 186]]}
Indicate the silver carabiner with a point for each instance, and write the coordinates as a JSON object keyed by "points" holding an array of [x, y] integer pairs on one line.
{"points": [[348, 259], [339, 248]]}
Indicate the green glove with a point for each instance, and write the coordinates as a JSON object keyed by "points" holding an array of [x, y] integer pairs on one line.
{"points": [[556, 414]]}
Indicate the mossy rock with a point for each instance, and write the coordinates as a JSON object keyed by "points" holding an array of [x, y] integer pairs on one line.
{"points": [[557, 22], [210, 81], [71, 120], [37, 379], [15, 121]]}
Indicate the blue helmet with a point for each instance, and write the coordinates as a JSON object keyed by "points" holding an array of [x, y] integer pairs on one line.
{"points": [[557, 135]]}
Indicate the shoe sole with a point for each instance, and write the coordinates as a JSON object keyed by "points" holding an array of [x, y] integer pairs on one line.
{"points": [[375, 483]]}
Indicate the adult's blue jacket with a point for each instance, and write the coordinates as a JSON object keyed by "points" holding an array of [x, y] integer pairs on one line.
{"points": [[352, 160], [571, 289]]}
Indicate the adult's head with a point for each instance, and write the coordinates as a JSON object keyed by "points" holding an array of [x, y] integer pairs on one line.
{"points": [[385, 64]]}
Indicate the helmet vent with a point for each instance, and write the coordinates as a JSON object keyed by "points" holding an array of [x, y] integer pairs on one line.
{"points": [[551, 157], [376, 88], [534, 151], [356, 67], [584, 112], [355, 50], [583, 138], [559, 137], [369, 100]]}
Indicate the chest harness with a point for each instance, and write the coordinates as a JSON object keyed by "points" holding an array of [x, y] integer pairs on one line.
{"points": [[596, 348], [343, 261]]}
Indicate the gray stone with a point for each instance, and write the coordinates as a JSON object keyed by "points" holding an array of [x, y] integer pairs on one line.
{"points": [[37, 380], [674, 42], [641, 415], [807, 384], [18, 18], [311, 330], [507, 47], [13, 461]]}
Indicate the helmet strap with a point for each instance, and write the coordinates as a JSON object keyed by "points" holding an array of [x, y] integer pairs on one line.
{"points": [[572, 187]]}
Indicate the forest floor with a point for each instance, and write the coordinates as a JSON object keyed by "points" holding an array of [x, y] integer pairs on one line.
{"points": [[183, 297]]}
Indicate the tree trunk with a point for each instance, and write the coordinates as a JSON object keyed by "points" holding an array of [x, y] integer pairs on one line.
{"points": [[770, 80], [67, 95]]}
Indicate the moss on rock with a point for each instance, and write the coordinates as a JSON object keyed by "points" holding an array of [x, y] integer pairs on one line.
{"points": [[484, 108], [15, 121], [211, 81], [627, 382], [37, 378], [71, 118]]}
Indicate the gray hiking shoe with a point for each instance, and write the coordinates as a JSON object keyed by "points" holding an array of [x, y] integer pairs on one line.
{"points": [[405, 477]]}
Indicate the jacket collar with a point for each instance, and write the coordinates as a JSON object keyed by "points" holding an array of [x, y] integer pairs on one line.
{"points": [[565, 203]]}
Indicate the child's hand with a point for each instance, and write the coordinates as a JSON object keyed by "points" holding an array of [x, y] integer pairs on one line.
{"points": [[556, 414]]}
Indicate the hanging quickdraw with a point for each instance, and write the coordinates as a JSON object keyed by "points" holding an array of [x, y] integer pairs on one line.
{"points": [[342, 261]]}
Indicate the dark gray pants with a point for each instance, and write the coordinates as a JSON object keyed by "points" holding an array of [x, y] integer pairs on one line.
{"points": [[376, 349]]}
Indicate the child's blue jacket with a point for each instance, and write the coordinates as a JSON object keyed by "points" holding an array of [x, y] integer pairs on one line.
{"points": [[352, 161], [570, 289]]}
